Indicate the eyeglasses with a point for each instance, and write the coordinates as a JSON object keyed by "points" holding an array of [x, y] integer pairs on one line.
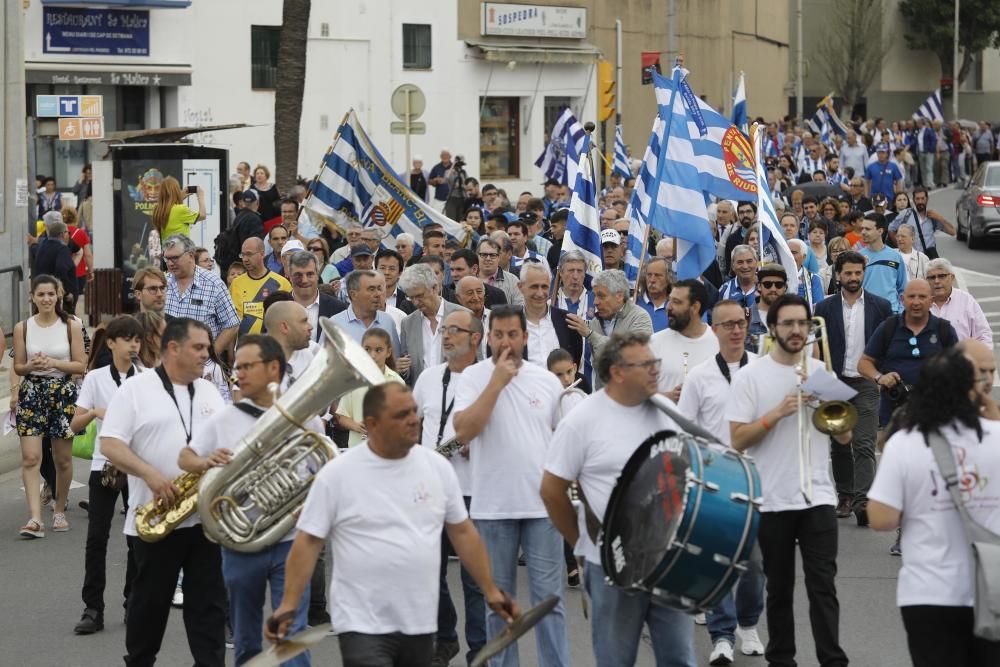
{"points": [[453, 330], [772, 284], [731, 325], [170, 259], [938, 276], [154, 288], [913, 343], [245, 368], [315, 248], [795, 324], [489, 255], [648, 365], [248, 254]]}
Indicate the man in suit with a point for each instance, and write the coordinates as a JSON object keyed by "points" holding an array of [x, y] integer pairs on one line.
{"points": [[614, 313], [547, 326], [852, 315], [390, 264], [465, 262], [304, 276], [53, 257], [420, 333]]}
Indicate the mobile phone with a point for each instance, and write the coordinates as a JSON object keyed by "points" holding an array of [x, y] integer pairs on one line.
{"points": [[192, 189]]}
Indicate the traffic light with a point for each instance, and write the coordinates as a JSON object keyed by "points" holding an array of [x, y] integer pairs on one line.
{"points": [[605, 90]]}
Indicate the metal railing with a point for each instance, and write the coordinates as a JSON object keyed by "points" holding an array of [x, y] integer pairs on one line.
{"points": [[17, 272]]}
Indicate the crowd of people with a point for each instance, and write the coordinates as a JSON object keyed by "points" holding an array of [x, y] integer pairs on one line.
{"points": [[541, 377]]}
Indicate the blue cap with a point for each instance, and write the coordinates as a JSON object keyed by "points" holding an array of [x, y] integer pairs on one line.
{"points": [[882, 148]]}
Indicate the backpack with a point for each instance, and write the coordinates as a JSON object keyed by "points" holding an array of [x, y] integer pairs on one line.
{"points": [[892, 322], [227, 247]]}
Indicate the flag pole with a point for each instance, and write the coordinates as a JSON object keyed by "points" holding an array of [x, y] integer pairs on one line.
{"points": [[642, 260]]}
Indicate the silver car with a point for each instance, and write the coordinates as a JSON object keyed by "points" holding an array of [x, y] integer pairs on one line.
{"points": [[977, 212]]}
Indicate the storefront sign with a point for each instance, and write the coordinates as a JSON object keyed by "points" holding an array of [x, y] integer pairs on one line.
{"points": [[68, 106], [109, 78], [514, 20], [103, 32]]}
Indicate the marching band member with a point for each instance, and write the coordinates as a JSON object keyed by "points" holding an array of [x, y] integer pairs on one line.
{"points": [[704, 400], [259, 362], [152, 417], [687, 341], [383, 504], [761, 428], [591, 445]]}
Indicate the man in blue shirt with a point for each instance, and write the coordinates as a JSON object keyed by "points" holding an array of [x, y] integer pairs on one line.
{"points": [[885, 271], [438, 180], [883, 177], [367, 290], [653, 296]]}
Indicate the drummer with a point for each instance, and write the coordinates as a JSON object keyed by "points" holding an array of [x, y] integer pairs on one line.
{"points": [[592, 445], [762, 420], [383, 505]]}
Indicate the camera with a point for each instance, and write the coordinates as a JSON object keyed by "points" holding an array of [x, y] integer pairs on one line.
{"points": [[898, 393], [192, 189], [459, 162]]}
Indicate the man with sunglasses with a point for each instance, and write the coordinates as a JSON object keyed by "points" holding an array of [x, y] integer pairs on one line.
{"points": [[901, 344], [772, 282]]}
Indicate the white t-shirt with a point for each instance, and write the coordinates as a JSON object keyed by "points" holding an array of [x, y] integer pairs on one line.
{"points": [[144, 417], [592, 445], [937, 560], [298, 363], [508, 456], [706, 396], [669, 346], [427, 394], [96, 392], [384, 519], [542, 339], [756, 390]]}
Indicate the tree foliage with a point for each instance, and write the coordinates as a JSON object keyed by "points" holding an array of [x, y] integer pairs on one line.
{"points": [[929, 25], [289, 89], [852, 50]]}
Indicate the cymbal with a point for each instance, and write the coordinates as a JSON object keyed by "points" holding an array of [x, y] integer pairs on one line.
{"points": [[290, 647], [514, 630]]}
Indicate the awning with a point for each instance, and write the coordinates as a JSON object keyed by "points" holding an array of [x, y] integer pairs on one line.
{"points": [[125, 4], [505, 52], [101, 74]]}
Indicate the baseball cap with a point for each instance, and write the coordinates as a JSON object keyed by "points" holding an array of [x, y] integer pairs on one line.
{"points": [[360, 250], [292, 246], [610, 236], [250, 196], [505, 217], [771, 270], [882, 148], [879, 200]]}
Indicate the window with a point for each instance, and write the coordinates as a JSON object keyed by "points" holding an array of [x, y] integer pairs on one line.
{"points": [[264, 56], [498, 133], [553, 109], [416, 46]]}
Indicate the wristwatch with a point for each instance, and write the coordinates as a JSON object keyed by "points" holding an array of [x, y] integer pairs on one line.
{"points": [[878, 376]]}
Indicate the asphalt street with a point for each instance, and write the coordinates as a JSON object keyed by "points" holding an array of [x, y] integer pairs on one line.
{"points": [[41, 600]]}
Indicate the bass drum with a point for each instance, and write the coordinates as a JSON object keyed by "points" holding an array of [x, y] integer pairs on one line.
{"points": [[681, 521]]}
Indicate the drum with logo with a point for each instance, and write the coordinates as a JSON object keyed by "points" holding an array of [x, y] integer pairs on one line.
{"points": [[681, 521]]}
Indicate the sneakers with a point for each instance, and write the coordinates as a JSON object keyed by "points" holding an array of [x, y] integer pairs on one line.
{"points": [[722, 653], [92, 621], [699, 619], [32, 530], [59, 523], [443, 653], [230, 640], [573, 579], [750, 643], [178, 600]]}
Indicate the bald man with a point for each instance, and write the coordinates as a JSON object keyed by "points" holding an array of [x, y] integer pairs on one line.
{"points": [[249, 290], [985, 367], [288, 323]]}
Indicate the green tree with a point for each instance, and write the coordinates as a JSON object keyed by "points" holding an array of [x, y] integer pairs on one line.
{"points": [[289, 89], [930, 26], [853, 48]]}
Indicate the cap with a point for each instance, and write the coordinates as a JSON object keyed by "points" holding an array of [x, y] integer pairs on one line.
{"points": [[505, 217], [250, 195], [361, 250], [551, 181], [843, 197], [611, 236], [771, 270], [879, 200], [528, 218], [882, 148], [292, 246]]}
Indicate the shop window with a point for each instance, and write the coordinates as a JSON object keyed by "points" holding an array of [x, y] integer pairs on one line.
{"points": [[416, 46], [498, 138], [264, 56]]}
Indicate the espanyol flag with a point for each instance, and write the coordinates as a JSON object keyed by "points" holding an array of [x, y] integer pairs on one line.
{"points": [[769, 226], [701, 154], [554, 159], [740, 106], [356, 184]]}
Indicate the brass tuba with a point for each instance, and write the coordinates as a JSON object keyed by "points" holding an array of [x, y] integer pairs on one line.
{"points": [[254, 500]]}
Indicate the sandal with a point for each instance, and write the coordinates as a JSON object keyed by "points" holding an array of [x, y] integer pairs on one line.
{"points": [[59, 523], [32, 530]]}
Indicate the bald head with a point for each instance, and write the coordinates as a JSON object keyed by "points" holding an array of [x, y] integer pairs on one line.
{"points": [[288, 323], [917, 286], [917, 300], [252, 254], [985, 368]]}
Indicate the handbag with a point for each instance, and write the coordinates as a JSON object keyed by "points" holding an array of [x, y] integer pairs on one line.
{"points": [[83, 444], [985, 547]]}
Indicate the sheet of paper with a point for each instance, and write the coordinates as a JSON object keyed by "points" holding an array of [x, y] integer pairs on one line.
{"points": [[826, 387]]}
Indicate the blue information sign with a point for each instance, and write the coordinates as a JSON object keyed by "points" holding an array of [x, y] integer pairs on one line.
{"points": [[108, 32]]}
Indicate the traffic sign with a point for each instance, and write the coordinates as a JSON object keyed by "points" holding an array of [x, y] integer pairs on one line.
{"points": [[408, 101], [73, 129], [69, 106], [399, 127]]}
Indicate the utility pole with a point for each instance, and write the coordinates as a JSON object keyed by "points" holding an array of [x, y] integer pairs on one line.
{"points": [[956, 66], [671, 51], [14, 184], [618, 71], [798, 61]]}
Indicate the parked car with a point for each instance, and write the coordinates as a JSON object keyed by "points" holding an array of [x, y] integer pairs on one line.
{"points": [[977, 212]]}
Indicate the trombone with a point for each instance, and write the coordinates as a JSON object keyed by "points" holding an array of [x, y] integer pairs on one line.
{"points": [[829, 417]]}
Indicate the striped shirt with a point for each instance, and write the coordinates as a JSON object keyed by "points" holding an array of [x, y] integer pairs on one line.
{"points": [[206, 300]]}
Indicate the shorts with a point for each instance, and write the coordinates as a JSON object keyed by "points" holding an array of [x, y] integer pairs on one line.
{"points": [[45, 406]]}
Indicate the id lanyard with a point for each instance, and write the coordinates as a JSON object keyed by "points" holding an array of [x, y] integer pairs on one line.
{"points": [[168, 386]]}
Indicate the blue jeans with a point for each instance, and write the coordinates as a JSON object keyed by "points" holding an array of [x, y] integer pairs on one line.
{"points": [[617, 620], [247, 577], [543, 551], [744, 603]]}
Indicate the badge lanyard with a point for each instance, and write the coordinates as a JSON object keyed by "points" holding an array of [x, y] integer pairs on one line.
{"points": [[168, 386]]}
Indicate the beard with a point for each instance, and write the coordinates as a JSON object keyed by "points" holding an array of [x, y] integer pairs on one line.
{"points": [[921, 207], [457, 352], [792, 344], [852, 286], [679, 321]]}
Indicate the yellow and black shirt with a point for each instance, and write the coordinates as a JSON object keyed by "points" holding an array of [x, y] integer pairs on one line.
{"points": [[248, 296]]}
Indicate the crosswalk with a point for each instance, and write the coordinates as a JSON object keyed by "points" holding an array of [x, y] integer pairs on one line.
{"points": [[986, 290]]}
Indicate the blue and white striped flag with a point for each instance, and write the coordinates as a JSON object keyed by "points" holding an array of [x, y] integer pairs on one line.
{"points": [[931, 109], [620, 165], [553, 160], [769, 226], [355, 183], [583, 227], [826, 116], [740, 106], [703, 153], [641, 203]]}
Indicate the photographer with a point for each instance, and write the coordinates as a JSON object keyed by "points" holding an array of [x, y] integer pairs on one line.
{"points": [[902, 344], [455, 177]]}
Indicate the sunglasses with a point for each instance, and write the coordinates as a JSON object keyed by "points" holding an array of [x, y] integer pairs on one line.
{"points": [[772, 284], [913, 343]]}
